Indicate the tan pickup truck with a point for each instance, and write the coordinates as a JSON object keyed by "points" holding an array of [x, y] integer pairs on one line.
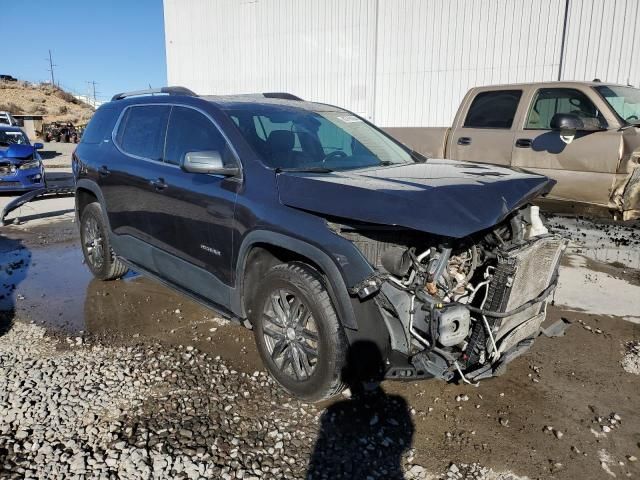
{"points": [[585, 135]]}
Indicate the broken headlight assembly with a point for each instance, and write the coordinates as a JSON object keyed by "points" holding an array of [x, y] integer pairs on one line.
{"points": [[29, 165]]}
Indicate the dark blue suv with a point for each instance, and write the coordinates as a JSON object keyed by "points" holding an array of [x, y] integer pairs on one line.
{"points": [[320, 232]]}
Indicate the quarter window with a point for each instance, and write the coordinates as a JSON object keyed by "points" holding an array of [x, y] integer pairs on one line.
{"points": [[550, 101], [493, 109], [142, 130], [190, 131], [100, 126]]}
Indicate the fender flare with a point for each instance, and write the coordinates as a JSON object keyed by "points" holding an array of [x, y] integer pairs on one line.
{"points": [[90, 185], [337, 289]]}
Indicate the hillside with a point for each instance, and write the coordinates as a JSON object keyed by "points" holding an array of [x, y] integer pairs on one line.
{"points": [[52, 102]]}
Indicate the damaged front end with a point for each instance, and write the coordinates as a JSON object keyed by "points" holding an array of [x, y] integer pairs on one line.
{"points": [[462, 307], [625, 198]]}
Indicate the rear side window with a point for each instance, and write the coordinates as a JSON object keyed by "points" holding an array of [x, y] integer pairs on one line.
{"points": [[100, 126], [191, 131], [142, 131], [493, 109]]}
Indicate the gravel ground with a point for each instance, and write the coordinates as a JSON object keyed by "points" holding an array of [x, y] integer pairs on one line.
{"points": [[631, 359], [76, 409], [129, 380]]}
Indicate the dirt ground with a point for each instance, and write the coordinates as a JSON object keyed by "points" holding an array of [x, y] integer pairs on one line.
{"points": [[544, 418], [565, 410]]}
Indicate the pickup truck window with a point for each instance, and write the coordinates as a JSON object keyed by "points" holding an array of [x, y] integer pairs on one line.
{"points": [[549, 101], [493, 109], [624, 100]]}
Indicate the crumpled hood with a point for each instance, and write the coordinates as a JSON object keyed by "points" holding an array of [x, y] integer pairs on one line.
{"points": [[16, 153], [441, 197]]}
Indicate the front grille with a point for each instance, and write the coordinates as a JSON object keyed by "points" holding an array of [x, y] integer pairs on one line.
{"points": [[5, 170], [521, 275]]}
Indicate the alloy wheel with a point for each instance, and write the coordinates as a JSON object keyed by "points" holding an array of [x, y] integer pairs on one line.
{"points": [[93, 243], [290, 334]]}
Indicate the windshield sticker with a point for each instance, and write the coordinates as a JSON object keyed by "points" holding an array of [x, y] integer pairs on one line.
{"points": [[350, 119]]}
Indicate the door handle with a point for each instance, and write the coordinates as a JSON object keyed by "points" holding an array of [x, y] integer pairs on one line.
{"points": [[464, 141], [158, 184], [103, 171], [523, 143]]}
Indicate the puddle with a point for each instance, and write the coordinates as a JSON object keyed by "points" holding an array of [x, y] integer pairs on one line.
{"points": [[54, 289], [585, 287], [601, 242]]}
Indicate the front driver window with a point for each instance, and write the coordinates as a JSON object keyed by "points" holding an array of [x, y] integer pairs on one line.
{"points": [[191, 131], [550, 101]]}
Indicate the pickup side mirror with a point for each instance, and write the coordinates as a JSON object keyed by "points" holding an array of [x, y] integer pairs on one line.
{"points": [[566, 121], [38, 146], [209, 161]]}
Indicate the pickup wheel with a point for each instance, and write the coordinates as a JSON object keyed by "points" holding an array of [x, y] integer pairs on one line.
{"points": [[97, 251], [297, 332]]}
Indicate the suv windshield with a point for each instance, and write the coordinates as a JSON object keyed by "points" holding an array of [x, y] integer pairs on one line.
{"points": [[297, 138], [624, 100], [8, 138]]}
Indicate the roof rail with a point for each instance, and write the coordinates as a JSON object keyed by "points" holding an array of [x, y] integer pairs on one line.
{"points": [[282, 95], [152, 91]]}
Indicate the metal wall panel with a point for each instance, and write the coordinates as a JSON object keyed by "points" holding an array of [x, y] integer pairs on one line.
{"points": [[318, 50], [400, 63], [603, 38], [431, 52]]}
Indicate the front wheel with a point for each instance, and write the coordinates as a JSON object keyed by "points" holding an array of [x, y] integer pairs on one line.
{"points": [[97, 251], [297, 332]]}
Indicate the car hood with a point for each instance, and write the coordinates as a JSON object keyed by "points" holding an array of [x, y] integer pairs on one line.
{"points": [[441, 197], [16, 153]]}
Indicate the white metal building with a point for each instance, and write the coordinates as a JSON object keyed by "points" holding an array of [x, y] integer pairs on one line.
{"points": [[399, 63]]}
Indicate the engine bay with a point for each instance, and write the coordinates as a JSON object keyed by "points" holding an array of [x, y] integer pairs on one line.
{"points": [[461, 308]]}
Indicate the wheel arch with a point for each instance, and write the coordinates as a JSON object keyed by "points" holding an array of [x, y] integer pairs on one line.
{"points": [[262, 249], [88, 191]]}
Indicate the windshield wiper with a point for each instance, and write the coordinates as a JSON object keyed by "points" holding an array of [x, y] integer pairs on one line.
{"points": [[418, 157], [304, 169]]}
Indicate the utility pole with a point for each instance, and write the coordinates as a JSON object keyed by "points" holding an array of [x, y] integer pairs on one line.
{"points": [[51, 65], [93, 83]]}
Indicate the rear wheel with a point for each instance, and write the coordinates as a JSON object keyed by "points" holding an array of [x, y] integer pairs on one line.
{"points": [[297, 332], [97, 251]]}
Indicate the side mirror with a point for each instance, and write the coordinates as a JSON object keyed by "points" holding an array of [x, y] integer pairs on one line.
{"points": [[566, 121], [38, 146], [208, 161]]}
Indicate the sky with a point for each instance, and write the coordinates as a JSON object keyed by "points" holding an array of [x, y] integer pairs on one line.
{"points": [[117, 43]]}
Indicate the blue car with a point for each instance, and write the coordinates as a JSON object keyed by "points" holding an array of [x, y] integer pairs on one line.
{"points": [[21, 166]]}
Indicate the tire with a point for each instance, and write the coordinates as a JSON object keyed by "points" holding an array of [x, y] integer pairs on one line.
{"points": [[289, 282], [96, 248]]}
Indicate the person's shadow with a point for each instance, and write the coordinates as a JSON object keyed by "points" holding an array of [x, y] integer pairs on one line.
{"points": [[366, 435]]}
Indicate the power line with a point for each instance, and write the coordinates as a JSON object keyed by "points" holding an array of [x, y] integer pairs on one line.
{"points": [[51, 65]]}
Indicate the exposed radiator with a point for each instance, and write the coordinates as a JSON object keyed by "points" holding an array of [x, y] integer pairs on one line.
{"points": [[521, 275]]}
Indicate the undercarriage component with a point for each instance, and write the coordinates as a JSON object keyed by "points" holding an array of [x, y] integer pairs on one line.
{"points": [[434, 364]]}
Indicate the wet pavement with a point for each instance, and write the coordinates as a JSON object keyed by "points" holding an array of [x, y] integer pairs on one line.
{"points": [[571, 384], [54, 289]]}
